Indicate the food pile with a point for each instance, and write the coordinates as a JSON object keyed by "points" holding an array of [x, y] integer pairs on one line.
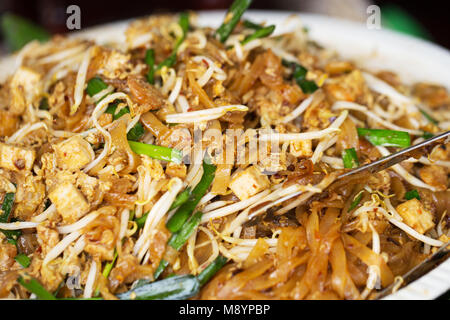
{"points": [[117, 179]]}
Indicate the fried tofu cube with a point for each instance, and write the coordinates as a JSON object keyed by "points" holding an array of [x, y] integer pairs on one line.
{"points": [[301, 149], [248, 183], [69, 202], [16, 158], [74, 153], [415, 215]]}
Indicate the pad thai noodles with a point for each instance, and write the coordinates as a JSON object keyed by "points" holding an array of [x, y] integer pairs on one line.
{"points": [[200, 163]]}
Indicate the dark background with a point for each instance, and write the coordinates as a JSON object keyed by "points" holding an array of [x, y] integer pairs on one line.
{"points": [[431, 14]]}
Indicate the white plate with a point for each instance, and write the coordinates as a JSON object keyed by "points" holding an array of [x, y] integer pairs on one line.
{"points": [[413, 59]]}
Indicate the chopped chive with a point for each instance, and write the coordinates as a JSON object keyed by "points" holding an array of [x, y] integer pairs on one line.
{"points": [[211, 269], [184, 24], [251, 25], [162, 265], [412, 194], [429, 118], [136, 132], [156, 152], [112, 110], [260, 33], [178, 239], [427, 135], [299, 73], [172, 288], [18, 31], [109, 266], [43, 104], [132, 213], [169, 61], [176, 222], [350, 158], [232, 18], [7, 205], [61, 285], [181, 198], [150, 61], [35, 287], [308, 86], [8, 202], [355, 202], [12, 235], [141, 221], [107, 270], [386, 138], [95, 85], [23, 260], [81, 298], [172, 58]]}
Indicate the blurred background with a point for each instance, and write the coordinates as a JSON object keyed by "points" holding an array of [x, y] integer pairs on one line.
{"points": [[419, 18]]}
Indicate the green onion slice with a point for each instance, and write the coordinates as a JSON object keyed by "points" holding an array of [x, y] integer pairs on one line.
{"points": [[260, 33], [427, 135], [429, 118], [35, 287], [23, 260], [95, 85], [8, 202], [172, 288], [350, 158], [251, 25], [18, 31], [181, 198], [412, 194], [150, 61], [7, 205], [211, 269], [178, 239], [355, 202], [176, 222], [386, 138], [156, 152], [162, 265], [232, 18], [109, 266]]}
